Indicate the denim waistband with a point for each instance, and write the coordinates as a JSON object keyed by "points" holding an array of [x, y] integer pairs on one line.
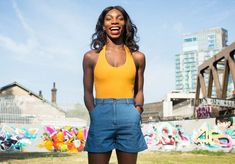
{"points": [[114, 100]]}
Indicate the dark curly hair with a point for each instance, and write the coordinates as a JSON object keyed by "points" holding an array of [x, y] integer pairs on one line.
{"points": [[99, 38]]}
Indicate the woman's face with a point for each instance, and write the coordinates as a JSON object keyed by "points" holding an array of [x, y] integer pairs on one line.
{"points": [[114, 24]]}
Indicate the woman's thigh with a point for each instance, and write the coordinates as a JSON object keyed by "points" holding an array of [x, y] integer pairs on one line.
{"points": [[126, 157], [100, 158]]}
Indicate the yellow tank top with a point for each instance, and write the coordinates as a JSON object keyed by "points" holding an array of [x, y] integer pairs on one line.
{"points": [[114, 82]]}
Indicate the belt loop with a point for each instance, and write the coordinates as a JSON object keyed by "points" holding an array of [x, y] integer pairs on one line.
{"points": [[127, 100], [95, 102], [102, 101]]}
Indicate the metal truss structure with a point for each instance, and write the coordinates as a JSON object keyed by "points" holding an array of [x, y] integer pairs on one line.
{"points": [[213, 75]]}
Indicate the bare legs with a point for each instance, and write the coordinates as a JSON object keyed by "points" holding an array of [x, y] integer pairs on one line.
{"points": [[103, 158], [99, 158], [126, 158]]}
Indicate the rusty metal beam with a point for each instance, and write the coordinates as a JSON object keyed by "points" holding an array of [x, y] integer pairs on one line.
{"points": [[197, 95], [216, 81], [225, 79], [203, 84], [225, 53], [231, 64], [210, 84]]}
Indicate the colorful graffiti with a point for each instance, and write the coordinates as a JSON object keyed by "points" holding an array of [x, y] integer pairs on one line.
{"points": [[171, 135], [221, 136], [204, 111], [164, 136], [184, 135], [16, 139], [211, 138], [66, 139]]}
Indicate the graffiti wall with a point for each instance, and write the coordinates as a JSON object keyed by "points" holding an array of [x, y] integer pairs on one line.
{"points": [[186, 135], [204, 112], [42, 138], [16, 139], [65, 139]]}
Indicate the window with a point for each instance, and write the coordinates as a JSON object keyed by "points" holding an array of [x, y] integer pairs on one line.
{"points": [[191, 39]]}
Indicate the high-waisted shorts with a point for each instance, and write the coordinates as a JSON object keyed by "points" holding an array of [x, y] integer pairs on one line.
{"points": [[115, 124]]}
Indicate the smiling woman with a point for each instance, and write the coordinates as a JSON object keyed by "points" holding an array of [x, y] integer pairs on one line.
{"points": [[116, 68], [99, 38], [114, 23]]}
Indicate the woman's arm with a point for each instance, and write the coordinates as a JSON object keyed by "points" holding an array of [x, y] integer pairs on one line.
{"points": [[88, 78], [139, 81]]}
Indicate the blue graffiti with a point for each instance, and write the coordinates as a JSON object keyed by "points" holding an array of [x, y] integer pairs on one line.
{"points": [[15, 139]]}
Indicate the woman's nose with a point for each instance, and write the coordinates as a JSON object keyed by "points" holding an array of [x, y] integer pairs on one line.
{"points": [[114, 21]]}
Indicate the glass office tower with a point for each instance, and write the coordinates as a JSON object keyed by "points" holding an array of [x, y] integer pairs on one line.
{"points": [[197, 47]]}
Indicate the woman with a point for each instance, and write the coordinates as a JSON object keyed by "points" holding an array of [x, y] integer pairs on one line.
{"points": [[116, 67]]}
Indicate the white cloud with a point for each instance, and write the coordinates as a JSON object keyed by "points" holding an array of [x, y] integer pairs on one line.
{"points": [[18, 48], [22, 19], [56, 45]]}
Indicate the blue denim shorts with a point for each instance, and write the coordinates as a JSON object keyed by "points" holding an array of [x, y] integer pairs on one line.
{"points": [[115, 124]]}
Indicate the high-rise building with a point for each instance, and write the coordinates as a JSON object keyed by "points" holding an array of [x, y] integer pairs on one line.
{"points": [[197, 47]]}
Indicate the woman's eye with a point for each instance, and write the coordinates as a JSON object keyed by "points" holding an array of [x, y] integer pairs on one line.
{"points": [[107, 19]]}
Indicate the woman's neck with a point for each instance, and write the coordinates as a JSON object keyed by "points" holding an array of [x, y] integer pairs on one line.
{"points": [[113, 46], [117, 41]]}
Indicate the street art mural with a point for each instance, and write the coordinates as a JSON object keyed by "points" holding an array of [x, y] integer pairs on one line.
{"points": [[65, 139], [162, 136], [204, 111], [16, 139], [190, 135], [183, 135], [220, 136]]}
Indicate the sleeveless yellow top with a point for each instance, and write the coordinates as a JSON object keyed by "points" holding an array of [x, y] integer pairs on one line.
{"points": [[114, 82]]}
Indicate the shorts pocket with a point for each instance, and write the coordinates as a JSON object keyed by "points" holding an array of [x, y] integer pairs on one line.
{"points": [[136, 110], [135, 117], [91, 112]]}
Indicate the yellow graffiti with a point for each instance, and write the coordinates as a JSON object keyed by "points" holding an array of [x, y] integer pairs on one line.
{"points": [[212, 137], [66, 139]]}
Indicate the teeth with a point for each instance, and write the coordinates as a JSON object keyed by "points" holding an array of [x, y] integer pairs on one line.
{"points": [[115, 28]]}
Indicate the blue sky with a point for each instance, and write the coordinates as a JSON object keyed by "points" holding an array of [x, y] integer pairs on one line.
{"points": [[43, 41]]}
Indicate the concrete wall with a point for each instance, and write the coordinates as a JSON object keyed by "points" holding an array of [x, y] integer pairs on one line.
{"points": [[15, 90], [185, 135], [183, 111], [41, 138], [28, 105]]}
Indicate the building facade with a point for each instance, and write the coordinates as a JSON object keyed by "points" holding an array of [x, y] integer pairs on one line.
{"points": [[20, 105], [197, 47]]}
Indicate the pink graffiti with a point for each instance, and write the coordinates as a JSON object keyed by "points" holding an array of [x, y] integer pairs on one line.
{"points": [[50, 130], [166, 138], [65, 139], [225, 141], [182, 137], [203, 111]]}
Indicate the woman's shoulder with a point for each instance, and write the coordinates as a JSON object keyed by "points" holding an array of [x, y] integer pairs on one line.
{"points": [[91, 56], [138, 55], [91, 53]]}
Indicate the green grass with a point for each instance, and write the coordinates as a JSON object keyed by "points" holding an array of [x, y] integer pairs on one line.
{"points": [[207, 152], [143, 158]]}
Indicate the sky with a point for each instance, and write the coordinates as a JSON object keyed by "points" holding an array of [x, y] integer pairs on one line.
{"points": [[43, 41]]}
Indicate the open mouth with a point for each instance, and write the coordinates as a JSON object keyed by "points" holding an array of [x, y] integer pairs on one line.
{"points": [[115, 30]]}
